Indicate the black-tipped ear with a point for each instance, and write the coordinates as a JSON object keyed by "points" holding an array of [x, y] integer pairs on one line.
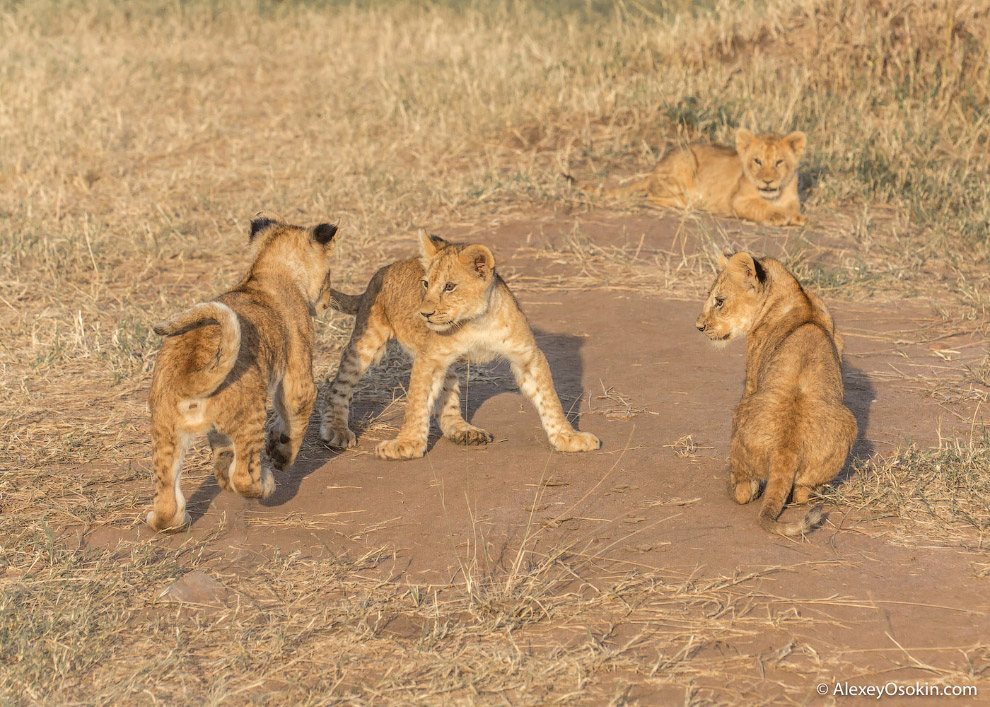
{"points": [[324, 233], [260, 224], [262, 220]]}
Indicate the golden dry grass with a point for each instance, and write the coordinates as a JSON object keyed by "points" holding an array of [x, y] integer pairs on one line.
{"points": [[136, 139]]}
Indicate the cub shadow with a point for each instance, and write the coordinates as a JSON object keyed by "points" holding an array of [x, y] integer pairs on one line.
{"points": [[859, 396], [563, 353], [561, 350]]}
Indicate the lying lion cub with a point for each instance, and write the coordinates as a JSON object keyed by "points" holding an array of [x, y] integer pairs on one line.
{"points": [[757, 180], [791, 428], [447, 305], [221, 359]]}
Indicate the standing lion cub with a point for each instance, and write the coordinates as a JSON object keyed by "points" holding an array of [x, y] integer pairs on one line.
{"points": [[221, 360], [791, 429], [447, 305], [756, 181]]}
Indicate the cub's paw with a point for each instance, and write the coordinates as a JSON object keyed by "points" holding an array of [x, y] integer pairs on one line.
{"points": [[279, 450], [339, 437], [267, 482], [801, 495], [399, 449], [745, 491], [469, 435], [778, 218], [164, 525], [251, 488], [222, 462], [575, 441], [798, 219]]}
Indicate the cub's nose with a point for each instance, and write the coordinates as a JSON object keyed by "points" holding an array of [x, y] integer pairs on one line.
{"points": [[701, 327], [427, 314]]}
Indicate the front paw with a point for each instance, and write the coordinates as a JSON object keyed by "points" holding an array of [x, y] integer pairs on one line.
{"points": [[575, 441], [395, 449], [778, 218], [337, 437], [797, 219], [469, 436]]}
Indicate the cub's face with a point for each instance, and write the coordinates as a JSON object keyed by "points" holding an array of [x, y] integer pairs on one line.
{"points": [[733, 300], [305, 252], [769, 161], [456, 283]]}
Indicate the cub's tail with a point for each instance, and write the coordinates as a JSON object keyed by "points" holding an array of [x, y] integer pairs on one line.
{"points": [[202, 382], [783, 468], [347, 304]]}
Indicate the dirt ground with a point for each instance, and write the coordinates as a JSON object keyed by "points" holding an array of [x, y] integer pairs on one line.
{"points": [[632, 369]]}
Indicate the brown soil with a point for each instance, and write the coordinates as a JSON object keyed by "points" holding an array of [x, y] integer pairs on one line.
{"points": [[631, 364]]}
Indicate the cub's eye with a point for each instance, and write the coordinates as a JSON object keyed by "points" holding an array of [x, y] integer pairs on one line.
{"points": [[426, 284], [719, 301], [757, 161], [780, 162], [449, 287]]}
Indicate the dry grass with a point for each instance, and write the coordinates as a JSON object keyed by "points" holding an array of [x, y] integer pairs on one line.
{"points": [[938, 494], [136, 139]]}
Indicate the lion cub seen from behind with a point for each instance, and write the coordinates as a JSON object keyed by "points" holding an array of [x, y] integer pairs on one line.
{"points": [[446, 306], [221, 360], [756, 181], [791, 429]]}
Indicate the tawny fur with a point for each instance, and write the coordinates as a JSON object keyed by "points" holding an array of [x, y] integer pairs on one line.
{"points": [[791, 429], [756, 181], [448, 305], [221, 360]]}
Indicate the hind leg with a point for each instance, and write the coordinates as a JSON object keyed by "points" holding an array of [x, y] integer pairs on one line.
{"points": [[223, 456], [454, 426], [293, 402], [364, 349], [168, 447], [745, 467], [250, 476]]}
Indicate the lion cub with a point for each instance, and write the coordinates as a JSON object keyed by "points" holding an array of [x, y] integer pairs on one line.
{"points": [[447, 305], [756, 181], [222, 359], [791, 428]]}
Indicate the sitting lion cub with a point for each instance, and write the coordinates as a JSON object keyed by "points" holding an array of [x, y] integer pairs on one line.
{"points": [[447, 305], [222, 359], [791, 428], [756, 181]]}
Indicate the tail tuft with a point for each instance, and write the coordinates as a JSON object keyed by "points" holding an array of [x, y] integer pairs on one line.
{"points": [[810, 521]]}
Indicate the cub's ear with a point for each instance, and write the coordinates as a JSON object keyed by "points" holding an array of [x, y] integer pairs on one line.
{"points": [[262, 220], [324, 233], [797, 141], [748, 269], [479, 260], [743, 140], [429, 244], [722, 257]]}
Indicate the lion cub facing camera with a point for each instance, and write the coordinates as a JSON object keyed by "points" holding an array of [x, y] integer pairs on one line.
{"points": [[447, 305], [221, 360], [791, 428], [756, 181]]}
